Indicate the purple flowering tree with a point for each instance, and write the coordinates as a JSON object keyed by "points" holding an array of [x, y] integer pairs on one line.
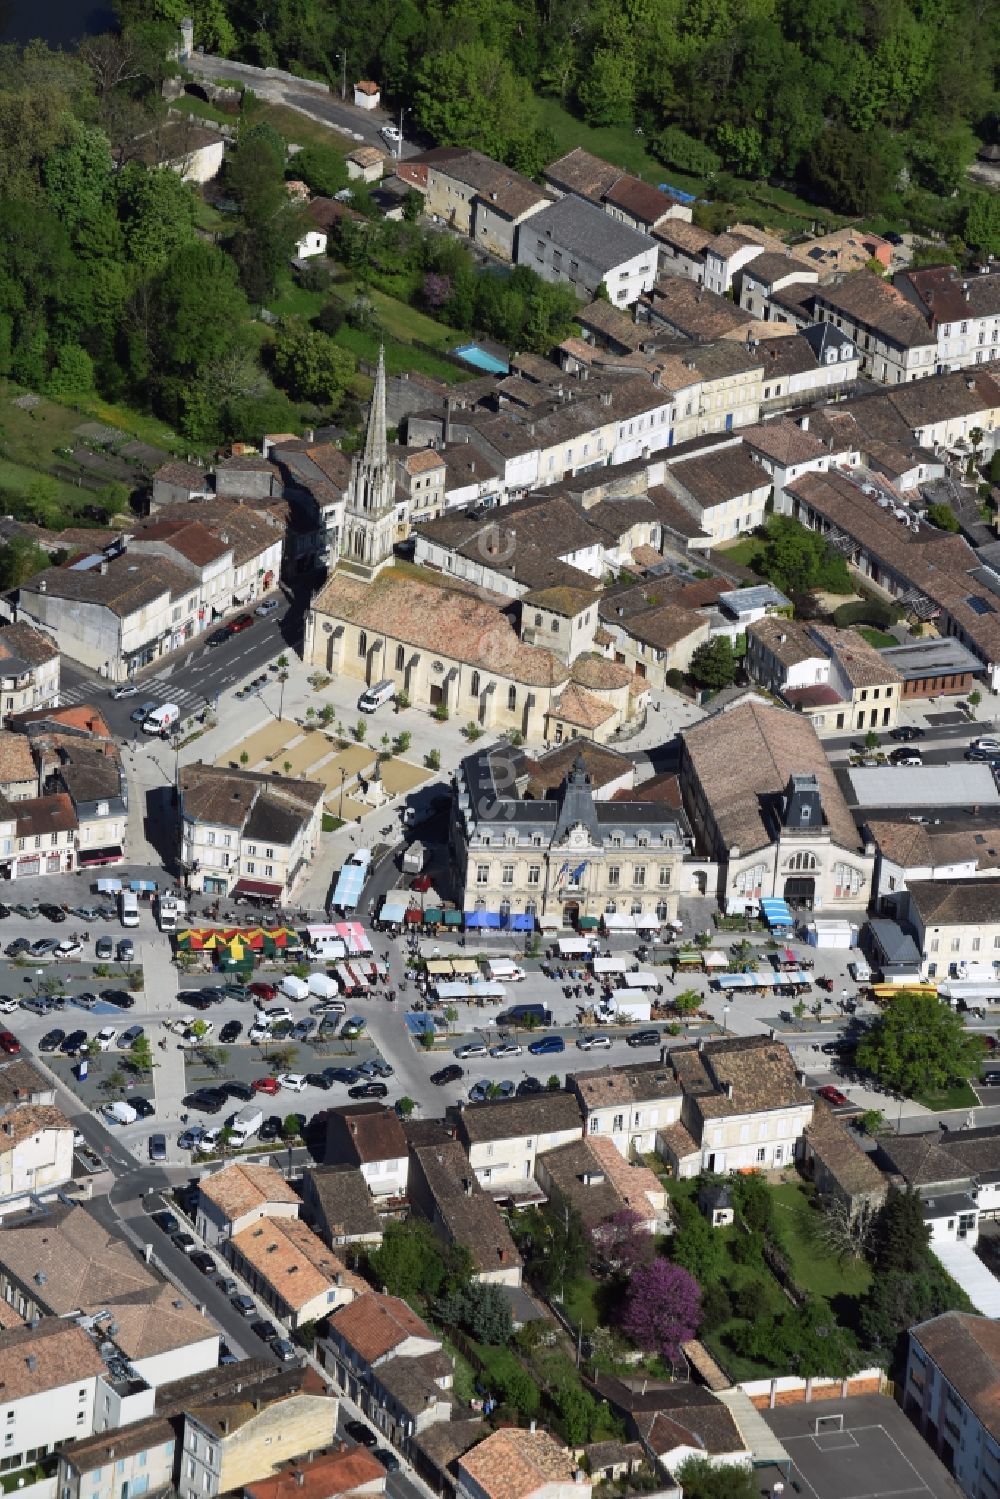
{"points": [[663, 1308], [620, 1244]]}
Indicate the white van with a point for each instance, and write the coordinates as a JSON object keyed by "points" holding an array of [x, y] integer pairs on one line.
{"points": [[322, 986], [246, 1124], [373, 697], [292, 987], [503, 970], [161, 719], [129, 908]]}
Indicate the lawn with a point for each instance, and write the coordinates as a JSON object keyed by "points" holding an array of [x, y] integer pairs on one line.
{"points": [[745, 550], [958, 1096], [878, 638], [292, 300], [399, 357], [580, 1303], [813, 1267], [291, 126], [399, 319]]}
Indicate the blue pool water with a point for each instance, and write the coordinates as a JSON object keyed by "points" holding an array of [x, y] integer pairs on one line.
{"points": [[481, 360]]}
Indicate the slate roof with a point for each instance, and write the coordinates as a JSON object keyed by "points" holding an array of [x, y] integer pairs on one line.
{"points": [[535, 1114], [743, 760], [966, 1349], [581, 228]]}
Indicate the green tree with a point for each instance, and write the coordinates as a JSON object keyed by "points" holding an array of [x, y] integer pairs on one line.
{"points": [[141, 1055], [486, 1313], [697, 1247], [158, 215], [900, 1238], [797, 560], [271, 222], [687, 1001], [943, 517], [982, 223], [323, 169], [576, 1409], [713, 663], [20, 559], [471, 94], [917, 1044], [754, 1202], [310, 365], [291, 1127], [410, 1262], [515, 1387], [701, 1479]]}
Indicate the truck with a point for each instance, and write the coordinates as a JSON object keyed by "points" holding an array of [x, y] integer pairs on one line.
{"points": [[119, 1113], [162, 719], [626, 1005], [413, 858], [525, 1014], [503, 970], [170, 907], [246, 1124], [128, 908]]}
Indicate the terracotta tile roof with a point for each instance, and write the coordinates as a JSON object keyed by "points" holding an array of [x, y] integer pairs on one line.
{"points": [[540, 1114], [684, 236], [727, 474], [21, 645], [500, 188], [185, 475], [576, 705], [861, 663], [581, 172], [447, 621], [157, 1321], [773, 266], [374, 1325], [20, 1124], [867, 299], [363, 1132], [612, 322], [640, 200], [21, 1082], [9, 1316], [228, 798], [674, 514], [227, 1411], [36, 1359], [84, 1265], [694, 310], [42, 815], [611, 1085], [787, 640], [783, 441], [743, 760], [366, 156], [514, 1463], [679, 1142], [664, 626], [972, 902], [293, 1261], [600, 674], [240, 1188], [834, 1146], [468, 1215], [414, 1384], [445, 1441], [603, 765], [584, 1173], [190, 539], [83, 716], [124, 588], [324, 1477], [915, 845], [16, 760], [422, 461], [967, 1351], [741, 1075]]}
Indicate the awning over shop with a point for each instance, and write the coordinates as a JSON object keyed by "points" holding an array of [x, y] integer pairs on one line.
{"points": [[776, 912], [433, 916], [143, 887], [618, 921], [352, 933], [392, 910], [474, 919], [414, 916], [101, 856], [261, 888], [588, 923], [550, 923], [521, 923], [109, 887], [453, 918]]}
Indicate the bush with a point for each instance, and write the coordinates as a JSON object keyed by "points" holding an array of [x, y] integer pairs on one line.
{"points": [[751, 1300], [865, 612], [674, 679], [678, 149]]}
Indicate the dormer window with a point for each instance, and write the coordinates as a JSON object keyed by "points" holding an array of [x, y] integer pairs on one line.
{"points": [[806, 812]]}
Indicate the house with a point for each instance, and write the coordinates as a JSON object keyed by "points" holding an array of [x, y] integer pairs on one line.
{"points": [[724, 491], [183, 146], [50, 1375], [371, 1138], [727, 389], [238, 1196], [313, 242], [36, 1153], [242, 833], [502, 1140], [743, 1102], [22, 1083], [75, 753], [232, 1442], [949, 848], [478, 197], [436, 1450], [963, 311], [642, 206], [715, 1200], [843, 251], [892, 336], [786, 449], [445, 1190], [367, 95], [46, 830], [177, 482], [681, 248], [336, 1201], [365, 164], [348, 1469], [573, 240], [684, 307], [582, 175], [134, 1459], [676, 1421], [627, 1105], [936, 667], [291, 1270], [515, 1463], [768, 273], [835, 1162], [610, 1461], [767, 811], [952, 1374], [18, 772], [62, 1262], [29, 671], [834, 677], [387, 1360], [595, 1179], [563, 857], [955, 924]]}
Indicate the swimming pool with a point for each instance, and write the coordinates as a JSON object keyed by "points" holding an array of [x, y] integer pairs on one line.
{"points": [[481, 360]]}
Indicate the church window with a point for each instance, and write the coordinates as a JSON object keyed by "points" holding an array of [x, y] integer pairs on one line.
{"points": [[362, 644]]}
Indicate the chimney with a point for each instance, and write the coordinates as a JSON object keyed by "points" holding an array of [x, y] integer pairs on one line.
{"points": [[804, 424], [532, 1426], [309, 435], [43, 586], [300, 1477], [32, 1362], [729, 1090], [781, 639], [104, 569]]}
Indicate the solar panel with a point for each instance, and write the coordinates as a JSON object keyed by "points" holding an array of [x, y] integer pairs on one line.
{"points": [[979, 605]]}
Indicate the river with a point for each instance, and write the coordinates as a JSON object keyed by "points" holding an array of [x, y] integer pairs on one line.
{"points": [[59, 22]]}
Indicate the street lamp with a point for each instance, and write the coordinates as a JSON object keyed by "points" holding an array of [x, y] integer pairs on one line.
{"points": [[282, 678], [342, 57], [399, 143], [725, 1017], [343, 778]]}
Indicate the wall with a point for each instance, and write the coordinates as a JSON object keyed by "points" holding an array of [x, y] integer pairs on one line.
{"points": [[505, 1162], [281, 1431], [213, 1226], [791, 1390], [175, 1363], [52, 1416], [42, 1160], [125, 1478]]}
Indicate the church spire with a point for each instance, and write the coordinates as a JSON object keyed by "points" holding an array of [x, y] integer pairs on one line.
{"points": [[375, 442]]}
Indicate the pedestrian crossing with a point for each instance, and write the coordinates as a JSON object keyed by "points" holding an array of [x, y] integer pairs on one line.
{"points": [[164, 689]]}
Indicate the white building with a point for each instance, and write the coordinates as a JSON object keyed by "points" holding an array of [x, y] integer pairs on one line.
{"points": [[247, 834], [628, 1105], [576, 241], [370, 1136], [956, 924], [950, 1393], [743, 1103], [234, 1198], [50, 1377], [503, 1139], [36, 1153]]}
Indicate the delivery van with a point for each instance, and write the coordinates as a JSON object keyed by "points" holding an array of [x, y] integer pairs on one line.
{"points": [[246, 1124], [373, 697], [161, 719], [292, 987], [129, 908]]}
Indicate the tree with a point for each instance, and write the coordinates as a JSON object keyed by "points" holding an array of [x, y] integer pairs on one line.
{"points": [[472, 95], [663, 1308], [158, 215], [900, 1237], [515, 1387], [486, 1314], [271, 221], [291, 1126], [620, 1244], [919, 1044], [20, 559], [405, 1106], [943, 517], [411, 1262], [554, 1242], [982, 224], [141, 1055], [701, 1479], [321, 168], [687, 1001], [754, 1202], [713, 663], [576, 1409], [797, 560], [697, 1247], [310, 365]]}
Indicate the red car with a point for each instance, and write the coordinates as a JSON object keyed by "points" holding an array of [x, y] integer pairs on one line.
{"points": [[832, 1095], [268, 1085], [421, 883], [264, 991], [9, 1043], [241, 622]]}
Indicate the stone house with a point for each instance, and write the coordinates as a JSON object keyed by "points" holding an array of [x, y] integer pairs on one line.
{"points": [[236, 1197]]}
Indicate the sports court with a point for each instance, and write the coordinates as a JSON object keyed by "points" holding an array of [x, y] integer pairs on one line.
{"points": [[864, 1448]]}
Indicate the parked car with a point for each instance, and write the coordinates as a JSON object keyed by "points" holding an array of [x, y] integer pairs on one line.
{"points": [[240, 623], [270, 1129], [472, 1049], [52, 1040], [204, 1262], [268, 1085], [189, 1138], [450, 1074], [73, 1042], [361, 1433], [266, 1331], [157, 1147], [368, 1090], [187, 1243], [344, 1074], [263, 990], [17, 947], [267, 607], [243, 1304], [592, 1042], [319, 1080], [387, 1458], [991, 1079], [219, 637], [283, 1349], [643, 1038], [505, 1049], [294, 1081], [104, 949], [126, 950], [421, 883], [529, 1085], [51, 912], [547, 1046], [43, 948], [905, 733], [905, 756], [231, 1031], [144, 1107], [240, 1090], [832, 1095]]}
